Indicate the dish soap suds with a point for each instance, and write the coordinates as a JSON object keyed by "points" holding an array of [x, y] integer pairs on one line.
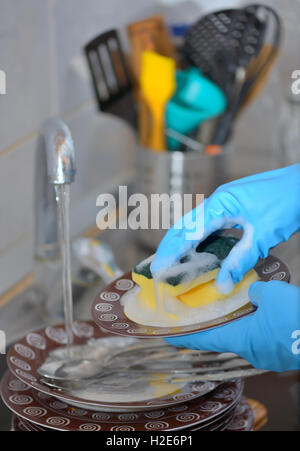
{"points": [[179, 313], [185, 293]]}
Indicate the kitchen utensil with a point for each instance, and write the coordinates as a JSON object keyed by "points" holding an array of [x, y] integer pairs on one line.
{"points": [[176, 368], [131, 375], [157, 86], [196, 99], [117, 322], [225, 122], [258, 72], [110, 76], [189, 143], [97, 256], [206, 131], [256, 78], [217, 376], [236, 36], [197, 91], [46, 411], [26, 356], [181, 119], [57, 367], [259, 68], [251, 41], [135, 360], [149, 34], [221, 42]]}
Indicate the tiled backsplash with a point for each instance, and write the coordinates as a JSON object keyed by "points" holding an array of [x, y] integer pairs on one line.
{"points": [[41, 46]]}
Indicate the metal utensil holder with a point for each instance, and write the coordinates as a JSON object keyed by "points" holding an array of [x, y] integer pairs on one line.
{"points": [[176, 172]]}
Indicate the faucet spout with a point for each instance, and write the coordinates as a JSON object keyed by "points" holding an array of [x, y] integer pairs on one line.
{"points": [[60, 152], [55, 165]]}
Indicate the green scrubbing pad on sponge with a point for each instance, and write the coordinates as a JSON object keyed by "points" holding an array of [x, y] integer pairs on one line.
{"points": [[198, 267]]}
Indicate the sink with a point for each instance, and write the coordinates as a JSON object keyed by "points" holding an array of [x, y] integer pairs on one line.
{"points": [[24, 313], [23, 316]]}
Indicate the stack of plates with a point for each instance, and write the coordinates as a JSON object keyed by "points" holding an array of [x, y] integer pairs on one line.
{"points": [[145, 405], [37, 407], [241, 421]]}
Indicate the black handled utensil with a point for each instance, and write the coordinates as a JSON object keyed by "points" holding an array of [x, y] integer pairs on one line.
{"points": [[268, 53], [270, 31], [222, 45], [222, 41], [110, 76]]}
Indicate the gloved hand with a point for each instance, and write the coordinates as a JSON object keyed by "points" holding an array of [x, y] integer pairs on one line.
{"points": [[267, 207], [268, 339]]}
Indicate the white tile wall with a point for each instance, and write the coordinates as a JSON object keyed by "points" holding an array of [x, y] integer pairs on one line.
{"points": [[16, 193], [16, 261], [105, 154], [24, 36], [41, 53], [16, 218]]}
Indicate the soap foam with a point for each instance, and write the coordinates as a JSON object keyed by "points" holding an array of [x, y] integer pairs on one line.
{"points": [[140, 391], [176, 312], [140, 266], [170, 311], [197, 263]]}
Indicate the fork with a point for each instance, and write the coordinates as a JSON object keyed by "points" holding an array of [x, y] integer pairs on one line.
{"points": [[223, 367]]}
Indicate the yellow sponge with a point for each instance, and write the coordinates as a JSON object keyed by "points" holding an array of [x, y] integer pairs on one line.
{"points": [[198, 267], [148, 294], [207, 292]]}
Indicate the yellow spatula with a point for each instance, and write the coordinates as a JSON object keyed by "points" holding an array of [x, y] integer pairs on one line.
{"points": [[158, 84], [150, 34]]}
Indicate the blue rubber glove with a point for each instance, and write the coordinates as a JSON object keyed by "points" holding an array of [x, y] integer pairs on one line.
{"points": [[268, 339], [265, 205]]}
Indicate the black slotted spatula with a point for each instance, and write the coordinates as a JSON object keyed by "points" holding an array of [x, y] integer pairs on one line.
{"points": [[110, 76]]}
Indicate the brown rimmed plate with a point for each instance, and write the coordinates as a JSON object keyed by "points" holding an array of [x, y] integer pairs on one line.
{"points": [[46, 411], [108, 312], [21, 425], [27, 355], [219, 423], [240, 419], [243, 419]]}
